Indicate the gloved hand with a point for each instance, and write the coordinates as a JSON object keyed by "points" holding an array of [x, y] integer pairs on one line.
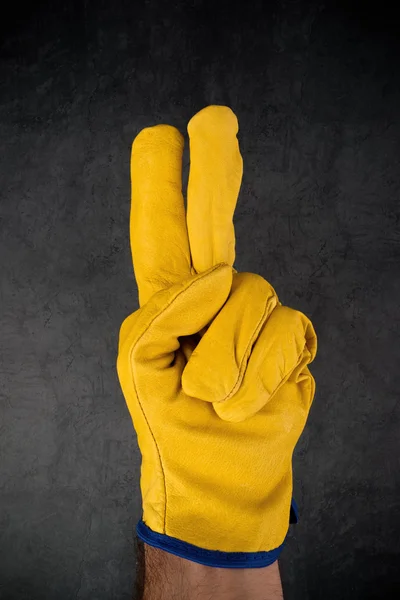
{"points": [[213, 368]]}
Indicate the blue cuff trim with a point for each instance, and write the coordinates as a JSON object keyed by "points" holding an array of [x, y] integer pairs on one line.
{"points": [[294, 513], [212, 558]]}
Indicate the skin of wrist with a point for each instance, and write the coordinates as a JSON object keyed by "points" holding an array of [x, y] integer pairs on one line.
{"points": [[167, 576]]}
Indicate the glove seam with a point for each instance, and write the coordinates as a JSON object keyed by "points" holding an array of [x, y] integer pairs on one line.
{"points": [[256, 330], [154, 439], [288, 372], [136, 390]]}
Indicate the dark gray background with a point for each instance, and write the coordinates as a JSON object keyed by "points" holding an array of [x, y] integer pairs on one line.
{"points": [[315, 87]]}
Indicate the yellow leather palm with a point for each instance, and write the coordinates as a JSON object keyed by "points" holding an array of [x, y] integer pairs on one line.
{"points": [[213, 368]]}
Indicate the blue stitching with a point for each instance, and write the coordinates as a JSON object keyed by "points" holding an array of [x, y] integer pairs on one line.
{"points": [[213, 558]]}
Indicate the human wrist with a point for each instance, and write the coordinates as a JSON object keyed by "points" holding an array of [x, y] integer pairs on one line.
{"points": [[167, 575]]}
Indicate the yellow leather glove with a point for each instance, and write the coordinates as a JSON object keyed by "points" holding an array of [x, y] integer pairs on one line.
{"points": [[213, 368]]}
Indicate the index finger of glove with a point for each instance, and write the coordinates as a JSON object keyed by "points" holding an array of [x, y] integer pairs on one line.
{"points": [[158, 232]]}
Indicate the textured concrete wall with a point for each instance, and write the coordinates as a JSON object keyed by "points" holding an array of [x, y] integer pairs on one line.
{"points": [[316, 91]]}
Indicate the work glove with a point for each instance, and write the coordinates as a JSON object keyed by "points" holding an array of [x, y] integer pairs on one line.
{"points": [[212, 366]]}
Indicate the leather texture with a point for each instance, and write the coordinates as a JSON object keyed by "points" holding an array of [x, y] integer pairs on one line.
{"points": [[214, 369]]}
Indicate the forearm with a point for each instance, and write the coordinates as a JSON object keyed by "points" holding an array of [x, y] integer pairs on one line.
{"points": [[165, 576]]}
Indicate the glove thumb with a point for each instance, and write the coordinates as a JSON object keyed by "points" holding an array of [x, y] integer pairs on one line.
{"points": [[150, 335]]}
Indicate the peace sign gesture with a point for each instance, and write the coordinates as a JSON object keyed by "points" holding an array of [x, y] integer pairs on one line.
{"points": [[168, 245], [217, 416]]}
